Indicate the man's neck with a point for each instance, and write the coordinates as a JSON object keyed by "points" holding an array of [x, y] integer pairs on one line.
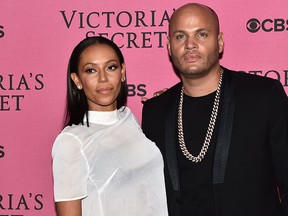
{"points": [[201, 86]]}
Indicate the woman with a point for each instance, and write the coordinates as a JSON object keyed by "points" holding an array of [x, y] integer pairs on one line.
{"points": [[102, 162]]}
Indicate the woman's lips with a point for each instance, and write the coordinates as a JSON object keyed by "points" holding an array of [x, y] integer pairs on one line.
{"points": [[105, 90]]}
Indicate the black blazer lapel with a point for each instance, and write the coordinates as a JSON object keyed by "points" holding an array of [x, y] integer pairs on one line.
{"points": [[225, 126], [171, 136]]}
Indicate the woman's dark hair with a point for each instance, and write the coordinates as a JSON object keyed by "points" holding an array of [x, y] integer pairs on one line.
{"points": [[76, 101]]}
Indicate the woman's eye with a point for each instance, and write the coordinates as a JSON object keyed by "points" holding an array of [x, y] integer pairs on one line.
{"points": [[112, 67], [90, 70]]}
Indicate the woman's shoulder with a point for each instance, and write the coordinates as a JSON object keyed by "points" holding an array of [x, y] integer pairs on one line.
{"points": [[73, 133]]}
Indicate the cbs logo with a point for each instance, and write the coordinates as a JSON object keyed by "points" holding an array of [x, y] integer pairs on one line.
{"points": [[1, 31], [139, 90], [268, 25], [2, 153]]}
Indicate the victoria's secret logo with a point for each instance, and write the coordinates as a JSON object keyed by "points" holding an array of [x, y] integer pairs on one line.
{"points": [[99, 23], [17, 83], [20, 203], [281, 76]]}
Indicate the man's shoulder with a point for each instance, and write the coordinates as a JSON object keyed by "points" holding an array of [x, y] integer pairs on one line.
{"points": [[165, 97], [246, 79]]}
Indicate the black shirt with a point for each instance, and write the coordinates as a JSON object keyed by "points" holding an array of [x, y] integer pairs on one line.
{"points": [[196, 178]]}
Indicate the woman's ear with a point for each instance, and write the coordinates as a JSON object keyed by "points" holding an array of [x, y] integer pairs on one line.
{"points": [[76, 80], [123, 73]]}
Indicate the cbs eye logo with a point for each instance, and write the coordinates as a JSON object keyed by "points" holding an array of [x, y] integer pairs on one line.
{"points": [[268, 25], [253, 25]]}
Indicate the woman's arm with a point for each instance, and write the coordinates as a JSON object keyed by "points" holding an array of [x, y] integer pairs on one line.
{"points": [[69, 208]]}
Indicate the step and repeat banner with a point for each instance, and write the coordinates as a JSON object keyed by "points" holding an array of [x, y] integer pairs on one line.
{"points": [[37, 38]]}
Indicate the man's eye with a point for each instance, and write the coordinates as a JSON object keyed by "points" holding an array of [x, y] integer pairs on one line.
{"points": [[180, 36], [202, 34]]}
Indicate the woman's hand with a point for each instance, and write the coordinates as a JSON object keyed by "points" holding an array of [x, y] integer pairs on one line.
{"points": [[157, 93]]}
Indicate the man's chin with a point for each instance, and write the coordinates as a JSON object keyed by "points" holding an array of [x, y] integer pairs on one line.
{"points": [[194, 73]]}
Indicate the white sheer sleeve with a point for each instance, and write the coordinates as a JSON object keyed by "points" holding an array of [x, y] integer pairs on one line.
{"points": [[70, 168]]}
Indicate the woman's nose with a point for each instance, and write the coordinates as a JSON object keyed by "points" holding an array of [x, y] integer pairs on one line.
{"points": [[102, 77]]}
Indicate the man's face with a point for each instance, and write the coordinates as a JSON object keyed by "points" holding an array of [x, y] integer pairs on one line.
{"points": [[194, 43]]}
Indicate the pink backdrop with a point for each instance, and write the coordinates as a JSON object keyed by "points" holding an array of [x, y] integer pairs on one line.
{"points": [[36, 39]]}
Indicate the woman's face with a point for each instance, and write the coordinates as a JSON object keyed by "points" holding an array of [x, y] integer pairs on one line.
{"points": [[100, 75]]}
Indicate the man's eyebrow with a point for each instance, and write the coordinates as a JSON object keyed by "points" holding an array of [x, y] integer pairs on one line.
{"points": [[197, 30]]}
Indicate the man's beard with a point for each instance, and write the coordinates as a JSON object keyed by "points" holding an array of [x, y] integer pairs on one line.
{"points": [[194, 71]]}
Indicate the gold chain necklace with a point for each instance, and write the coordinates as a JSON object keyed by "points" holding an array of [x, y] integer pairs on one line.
{"points": [[210, 129]]}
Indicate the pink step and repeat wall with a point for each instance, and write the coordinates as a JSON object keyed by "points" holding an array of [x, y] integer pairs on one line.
{"points": [[36, 40]]}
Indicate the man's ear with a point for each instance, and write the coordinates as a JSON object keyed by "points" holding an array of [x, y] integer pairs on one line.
{"points": [[221, 42], [168, 46]]}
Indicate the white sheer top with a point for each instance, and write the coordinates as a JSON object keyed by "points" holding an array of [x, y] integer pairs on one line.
{"points": [[111, 166]]}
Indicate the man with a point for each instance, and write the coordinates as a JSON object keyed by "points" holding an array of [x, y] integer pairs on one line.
{"points": [[223, 134]]}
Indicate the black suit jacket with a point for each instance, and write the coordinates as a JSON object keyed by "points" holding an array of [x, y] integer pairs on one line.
{"points": [[251, 156]]}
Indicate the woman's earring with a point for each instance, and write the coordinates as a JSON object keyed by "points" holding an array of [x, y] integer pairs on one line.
{"points": [[123, 79], [79, 87]]}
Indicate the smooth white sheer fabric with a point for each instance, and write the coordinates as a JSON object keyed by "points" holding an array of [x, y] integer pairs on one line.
{"points": [[111, 166]]}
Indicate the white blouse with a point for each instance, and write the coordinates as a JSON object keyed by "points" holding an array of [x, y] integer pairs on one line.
{"points": [[111, 166]]}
